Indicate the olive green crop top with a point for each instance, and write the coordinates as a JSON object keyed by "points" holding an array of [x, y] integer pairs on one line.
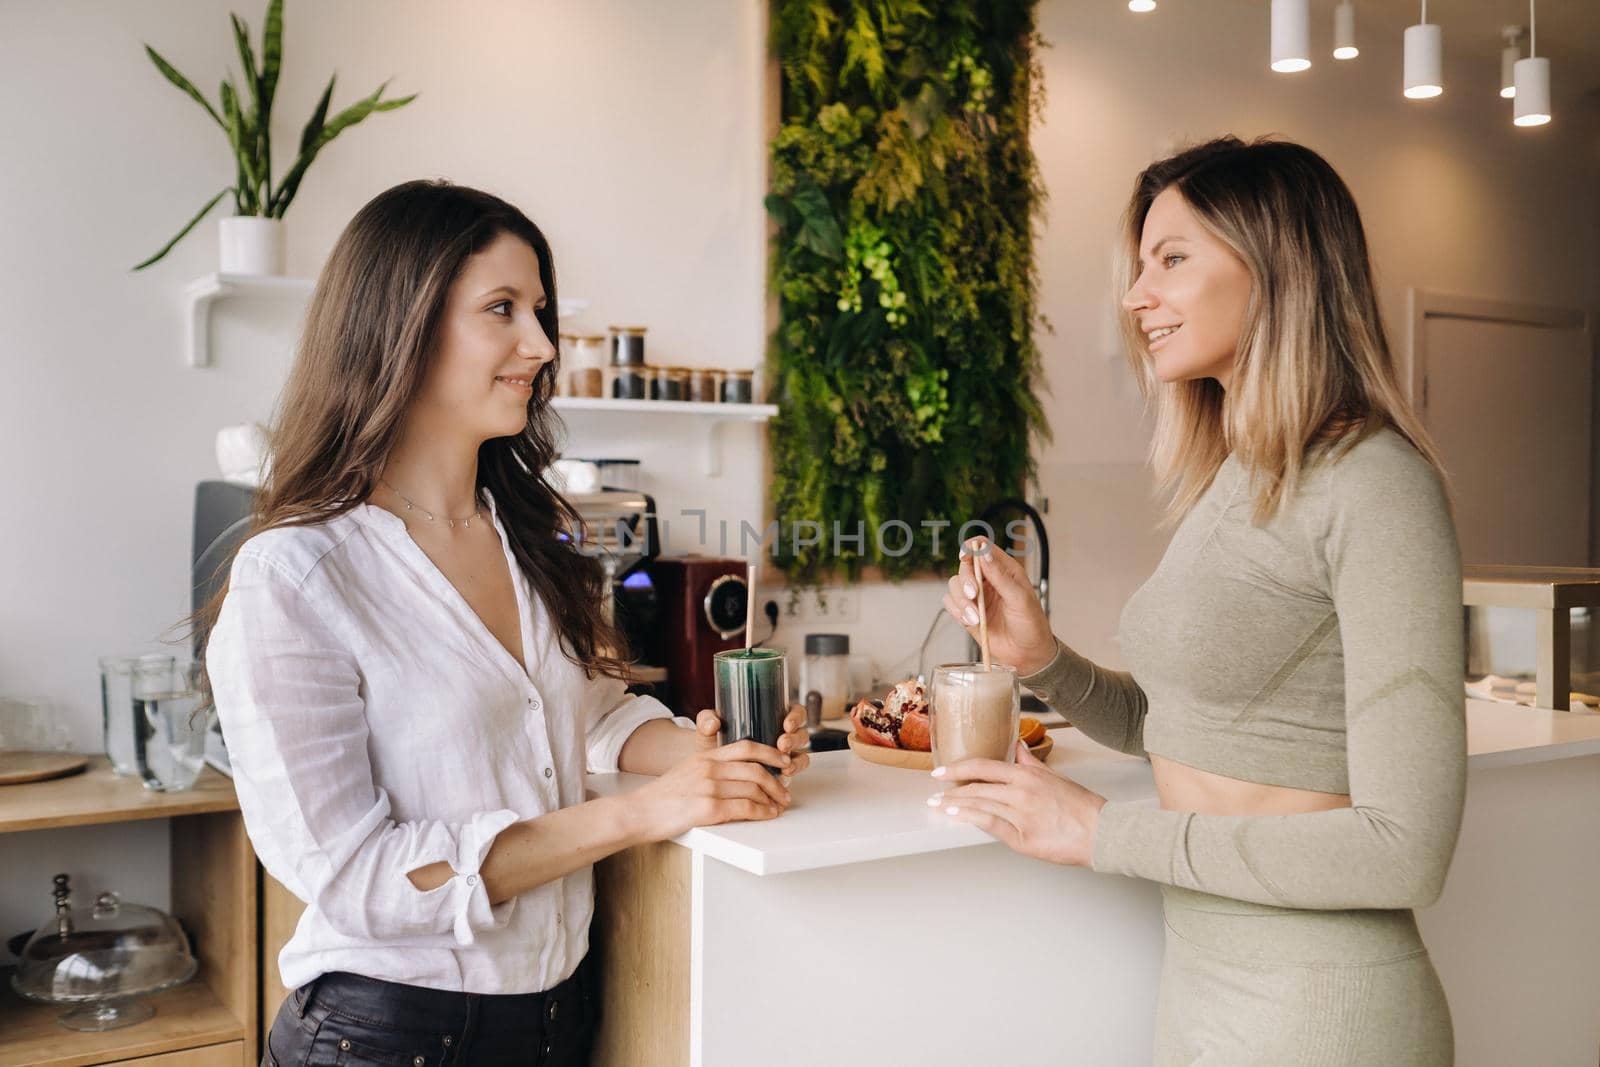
{"points": [[1321, 650]]}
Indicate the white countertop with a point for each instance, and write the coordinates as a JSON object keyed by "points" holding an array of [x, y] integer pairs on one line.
{"points": [[846, 810]]}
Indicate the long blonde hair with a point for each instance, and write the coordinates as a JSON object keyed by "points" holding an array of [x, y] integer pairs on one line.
{"points": [[1313, 373]]}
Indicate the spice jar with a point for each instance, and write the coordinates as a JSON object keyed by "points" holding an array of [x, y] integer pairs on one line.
{"points": [[627, 346], [585, 355], [677, 387], [739, 387], [703, 386], [589, 350], [628, 383]]}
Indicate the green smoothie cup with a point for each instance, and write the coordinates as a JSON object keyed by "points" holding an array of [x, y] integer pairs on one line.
{"points": [[752, 695]]}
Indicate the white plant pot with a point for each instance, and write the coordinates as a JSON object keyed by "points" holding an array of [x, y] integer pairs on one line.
{"points": [[251, 245]]}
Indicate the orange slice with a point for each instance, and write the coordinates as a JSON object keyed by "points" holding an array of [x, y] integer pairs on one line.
{"points": [[1030, 731]]}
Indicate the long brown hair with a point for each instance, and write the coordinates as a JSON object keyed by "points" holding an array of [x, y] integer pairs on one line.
{"points": [[1313, 372], [370, 331]]}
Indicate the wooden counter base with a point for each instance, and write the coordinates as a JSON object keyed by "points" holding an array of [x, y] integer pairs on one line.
{"points": [[641, 931]]}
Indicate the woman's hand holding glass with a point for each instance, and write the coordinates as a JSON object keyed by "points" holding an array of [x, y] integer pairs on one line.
{"points": [[726, 783], [1025, 806], [1019, 633]]}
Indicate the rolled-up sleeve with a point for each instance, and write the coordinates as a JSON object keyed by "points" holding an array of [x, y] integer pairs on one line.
{"points": [[611, 716], [289, 697]]}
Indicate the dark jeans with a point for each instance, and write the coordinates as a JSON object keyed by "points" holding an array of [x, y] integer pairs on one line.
{"points": [[347, 1019]]}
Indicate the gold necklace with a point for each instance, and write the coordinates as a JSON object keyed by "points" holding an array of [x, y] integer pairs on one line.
{"points": [[410, 506]]}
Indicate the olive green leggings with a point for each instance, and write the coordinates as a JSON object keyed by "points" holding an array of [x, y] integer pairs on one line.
{"points": [[1246, 984]]}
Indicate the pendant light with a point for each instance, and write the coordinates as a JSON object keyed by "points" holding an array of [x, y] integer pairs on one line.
{"points": [[1291, 35], [1344, 31], [1141, 6], [1424, 45], [1532, 79], [1509, 55]]}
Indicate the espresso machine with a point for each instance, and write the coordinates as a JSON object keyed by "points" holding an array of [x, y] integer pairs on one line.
{"points": [[702, 613], [619, 528]]}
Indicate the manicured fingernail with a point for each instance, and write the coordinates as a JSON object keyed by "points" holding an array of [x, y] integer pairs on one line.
{"points": [[972, 590], [785, 781], [971, 617], [952, 810], [933, 801], [938, 772]]}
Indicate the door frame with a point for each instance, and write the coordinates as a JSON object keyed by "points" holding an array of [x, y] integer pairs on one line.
{"points": [[1423, 304]]}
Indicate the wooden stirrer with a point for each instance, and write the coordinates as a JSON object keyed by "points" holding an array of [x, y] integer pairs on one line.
{"points": [[749, 606], [983, 614]]}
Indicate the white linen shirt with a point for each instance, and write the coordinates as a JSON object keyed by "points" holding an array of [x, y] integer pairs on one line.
{"points": [[376, 726]]}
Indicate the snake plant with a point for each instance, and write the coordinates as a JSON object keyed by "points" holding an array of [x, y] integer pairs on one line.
{"points": [[246, 119]]}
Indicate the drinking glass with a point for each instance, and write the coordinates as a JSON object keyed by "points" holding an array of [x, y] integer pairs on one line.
{"points": [[116, 711], [752, 695], [175, 746], [153, 675], [975, 711]]}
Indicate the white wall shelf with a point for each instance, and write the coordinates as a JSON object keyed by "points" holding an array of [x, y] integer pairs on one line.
{"points": [[713, 416], [201, 293]]}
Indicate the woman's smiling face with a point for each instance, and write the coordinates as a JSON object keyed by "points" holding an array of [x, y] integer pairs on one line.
{"points": [[490, 345], [1190, 297]]}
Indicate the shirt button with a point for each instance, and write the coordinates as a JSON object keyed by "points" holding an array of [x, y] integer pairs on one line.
{"points": [[548, 772], [472, 879], [448, 1040], [344, 1044], [555, 1009], [417, 1061], [533, 703]]}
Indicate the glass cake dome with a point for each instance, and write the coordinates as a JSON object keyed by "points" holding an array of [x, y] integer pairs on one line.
{"points": [[102, 959]]}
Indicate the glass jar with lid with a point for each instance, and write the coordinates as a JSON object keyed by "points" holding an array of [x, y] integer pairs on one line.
{"points": [[627, 346], [825, 672], [703, 386], [584, 356], [739, 387]]}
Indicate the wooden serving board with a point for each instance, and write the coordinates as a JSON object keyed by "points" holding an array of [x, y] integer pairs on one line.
{"points": [[18, 767], [922, 761]]}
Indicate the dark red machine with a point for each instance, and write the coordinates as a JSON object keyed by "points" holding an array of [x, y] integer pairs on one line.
{"points": [[702, 610]]}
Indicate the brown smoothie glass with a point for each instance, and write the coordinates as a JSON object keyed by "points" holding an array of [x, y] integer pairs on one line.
{"points": [[975, 710]]}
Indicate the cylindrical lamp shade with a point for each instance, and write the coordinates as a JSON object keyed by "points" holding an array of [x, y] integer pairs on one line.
{"points": [[1424, 60], [1291, 35], [1533, 92], [1344, 31], [1508, 64], [1141, 6]]}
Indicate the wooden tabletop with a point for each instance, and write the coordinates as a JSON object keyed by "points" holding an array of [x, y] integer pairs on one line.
{"points": [[100, 795]]}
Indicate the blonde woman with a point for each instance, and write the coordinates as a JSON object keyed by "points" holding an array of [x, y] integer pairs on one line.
{"points": [[1295, 659], [413, 672]]}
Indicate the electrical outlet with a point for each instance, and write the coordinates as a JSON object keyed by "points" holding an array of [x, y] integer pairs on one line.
{"points": [[844, 604]]}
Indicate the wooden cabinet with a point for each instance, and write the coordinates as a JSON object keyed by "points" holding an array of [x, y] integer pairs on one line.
{"points": [[209, 1021]]}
